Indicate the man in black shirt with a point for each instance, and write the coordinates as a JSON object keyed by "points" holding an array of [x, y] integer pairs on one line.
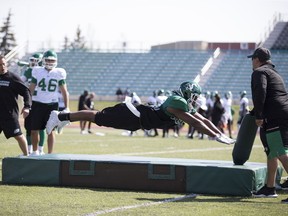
{"points": [[11, 86], [270, 99], [82, 106]]}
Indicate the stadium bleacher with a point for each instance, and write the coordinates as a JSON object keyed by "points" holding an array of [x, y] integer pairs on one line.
{"points": [[281, 43], [165, 69], [143, 73], [234, 72]]}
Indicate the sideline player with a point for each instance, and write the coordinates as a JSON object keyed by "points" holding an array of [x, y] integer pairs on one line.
{"points": [[83, 106], [61, 108], [47, 79], [243, 107], [228, 118], [34, 61], [180, 107], [90, 103]]}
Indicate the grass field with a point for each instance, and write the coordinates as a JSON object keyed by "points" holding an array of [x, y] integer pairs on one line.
{"points": [[39, 200]]}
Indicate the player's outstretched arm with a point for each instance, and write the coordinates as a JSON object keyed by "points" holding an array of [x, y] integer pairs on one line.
{"points": [[207, 122], [201, 124], [197, 123]]}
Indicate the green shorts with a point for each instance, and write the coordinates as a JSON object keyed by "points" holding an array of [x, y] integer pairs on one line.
{"points": [[275, 138]]}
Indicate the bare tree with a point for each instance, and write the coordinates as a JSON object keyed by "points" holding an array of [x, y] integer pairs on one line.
{"points": [[66, 45], [79, 42]]}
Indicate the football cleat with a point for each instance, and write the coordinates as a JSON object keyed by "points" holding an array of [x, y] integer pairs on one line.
{"points": [[53, 122], [34, 153]]}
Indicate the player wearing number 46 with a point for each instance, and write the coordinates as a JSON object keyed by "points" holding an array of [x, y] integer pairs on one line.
{"points": [[48, 79]]}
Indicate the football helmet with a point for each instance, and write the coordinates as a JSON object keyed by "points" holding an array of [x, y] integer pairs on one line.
{"points": [[243, 94], [207, 94], [216, 94], [168, 93], [161, 92], [228, 95], [35, 60], [49, 59], [190, 91]]}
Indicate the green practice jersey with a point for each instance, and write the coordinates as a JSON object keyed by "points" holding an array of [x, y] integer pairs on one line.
{"points": [[27, 76], [176, 102]]}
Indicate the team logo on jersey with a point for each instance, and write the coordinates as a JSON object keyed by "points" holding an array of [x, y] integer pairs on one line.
{"points": [[177, 121], [4, 83], [17, 130]]}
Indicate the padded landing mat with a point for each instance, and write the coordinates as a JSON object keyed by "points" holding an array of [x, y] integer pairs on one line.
{"points": [[136, 173]]}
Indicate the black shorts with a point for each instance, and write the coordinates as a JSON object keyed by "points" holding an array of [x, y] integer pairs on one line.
{"points": [[27, 124], [40, 114], [10, 127], [119, 117], [61, 109], [154, 118]]}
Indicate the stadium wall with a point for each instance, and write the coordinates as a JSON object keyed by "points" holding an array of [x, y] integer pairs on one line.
{"points": [[232, 46]]}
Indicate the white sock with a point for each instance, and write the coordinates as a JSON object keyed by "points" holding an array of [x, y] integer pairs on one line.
{"points": [[40, 148], [30, 149]]}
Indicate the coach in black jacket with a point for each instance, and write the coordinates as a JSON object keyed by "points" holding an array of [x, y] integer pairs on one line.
{"points": [[11, 86], [270, 99]]}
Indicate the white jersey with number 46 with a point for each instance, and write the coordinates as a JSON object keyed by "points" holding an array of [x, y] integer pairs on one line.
{"points": [[47, 83]]}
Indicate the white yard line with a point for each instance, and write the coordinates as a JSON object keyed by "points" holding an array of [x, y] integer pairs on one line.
{"points": [[123, 208], [182, 150]]}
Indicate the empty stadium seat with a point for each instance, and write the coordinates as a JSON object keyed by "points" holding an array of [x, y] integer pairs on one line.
{"points": [[143, 73]]}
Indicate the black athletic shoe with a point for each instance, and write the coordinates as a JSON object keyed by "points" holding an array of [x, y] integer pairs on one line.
{"points": [[265, 192], [284, 201], [284, 185]]}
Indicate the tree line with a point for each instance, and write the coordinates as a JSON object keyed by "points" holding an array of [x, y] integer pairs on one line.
{"points": [[8, 40]]}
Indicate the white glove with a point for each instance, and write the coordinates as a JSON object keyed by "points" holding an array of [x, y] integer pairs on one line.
{"points": [[222, 138], [231, 141]]}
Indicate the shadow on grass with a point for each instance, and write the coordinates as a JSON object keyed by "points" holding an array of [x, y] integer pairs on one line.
{"points": [[195, 199], [219, 199], [201, 198]]}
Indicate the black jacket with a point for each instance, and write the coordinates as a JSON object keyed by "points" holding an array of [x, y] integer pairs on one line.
{"points": [[269, 95], [11, 86]]}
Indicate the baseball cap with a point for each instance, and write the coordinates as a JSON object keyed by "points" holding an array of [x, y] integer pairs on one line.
{"points": [[262, 53]]}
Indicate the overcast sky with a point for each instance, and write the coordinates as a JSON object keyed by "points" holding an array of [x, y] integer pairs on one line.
{"points": [[141, 23]]}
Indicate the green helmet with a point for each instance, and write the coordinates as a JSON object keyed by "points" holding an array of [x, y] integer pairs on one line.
{"points": [[49, 59], [161, 92], [189, 90], [243, 94], [228, 95], [37, 56], [35, 60], [168, 93]]}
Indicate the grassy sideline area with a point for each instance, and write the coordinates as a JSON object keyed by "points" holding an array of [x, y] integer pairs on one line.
{"points": [[40, 200]]}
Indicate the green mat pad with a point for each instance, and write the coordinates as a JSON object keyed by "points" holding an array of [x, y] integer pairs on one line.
{"points": [[136, 173]]}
